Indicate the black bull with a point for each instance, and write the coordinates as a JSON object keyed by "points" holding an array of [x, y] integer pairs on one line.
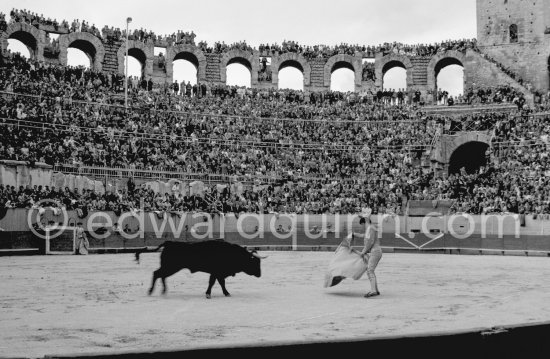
{"points": [[218, 258]]}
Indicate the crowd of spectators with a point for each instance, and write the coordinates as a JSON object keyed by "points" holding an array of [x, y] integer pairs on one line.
{"points": [[325, 51], [427, 50], [264, 74], [309, 52], [107, 33], [516, 178], [482, 95], [35, 19], [221, 47], [148, 36], [300, 197], [3, 23], [508, 71], [317, 51], [332, 152], [369, 72], [87, 200], [181, 37]]}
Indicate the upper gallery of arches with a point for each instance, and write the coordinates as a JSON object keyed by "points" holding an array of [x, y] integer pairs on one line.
{"points": [[316, 63], [238, 56], [189, 53], [440, 61], [344, 61], [29, 35], [389, 62], [85, 42], [142, 52], [307, 51], [291, 59]]}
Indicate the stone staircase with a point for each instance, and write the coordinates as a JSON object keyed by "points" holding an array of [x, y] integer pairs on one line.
{"points": [[420, 70], [159, 73], [318, 72], [110, 61], [213, 68], [490, 71], [461, 110]]}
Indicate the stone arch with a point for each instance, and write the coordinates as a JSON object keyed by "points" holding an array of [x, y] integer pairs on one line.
{"points": [[344, 61], [185, 52], [248, 59], [454, 143], [142, 52], [390, 61], [470, 156], [29, 35], [440, 61], [294, 60], [86, 42]]}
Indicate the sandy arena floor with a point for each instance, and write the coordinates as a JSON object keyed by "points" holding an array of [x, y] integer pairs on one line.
{"points": [[98, 303]]}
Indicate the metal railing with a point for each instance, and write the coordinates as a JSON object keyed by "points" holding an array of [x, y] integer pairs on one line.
{"points": [[461, 109], [231, 143], [69, 103], [148, 174], [166, 175]]}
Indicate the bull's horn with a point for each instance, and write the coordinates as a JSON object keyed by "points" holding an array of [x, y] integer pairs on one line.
{"points": [[255, 254]]}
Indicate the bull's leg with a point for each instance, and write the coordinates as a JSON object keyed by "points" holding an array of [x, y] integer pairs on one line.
{"points": [[155, 277], [162, 273], [163, 285], [211, 282], [167, 272], [221, 280]]}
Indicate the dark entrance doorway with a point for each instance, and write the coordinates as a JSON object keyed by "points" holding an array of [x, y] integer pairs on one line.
{"points": [[470, 155]]}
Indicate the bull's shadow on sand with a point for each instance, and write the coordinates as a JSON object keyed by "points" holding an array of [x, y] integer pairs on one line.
{"points": [[199, 296], [182, 295], [351, 294]]}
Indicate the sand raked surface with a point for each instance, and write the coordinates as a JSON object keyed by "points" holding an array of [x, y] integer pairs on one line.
{"points": [[99, 303]]}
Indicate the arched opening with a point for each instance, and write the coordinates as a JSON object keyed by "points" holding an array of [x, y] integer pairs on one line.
{"points": [[513, 33], [135, 68], [470, 156], [76, 58], [184, 71], [291, 76], [394, 76], [22, 42], [185, 68], [239, 72], [136, 62], [342, 77], [17, 47], [342, 80], [449, 79], [81, 53]]}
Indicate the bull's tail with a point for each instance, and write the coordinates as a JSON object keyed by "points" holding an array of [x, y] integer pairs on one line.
{"points": [[145, 250]]}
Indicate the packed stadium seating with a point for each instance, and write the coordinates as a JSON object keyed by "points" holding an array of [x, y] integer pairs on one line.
{"points": [[330, 152]]}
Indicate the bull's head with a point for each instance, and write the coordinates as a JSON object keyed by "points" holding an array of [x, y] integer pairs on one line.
{"points": [[252, 266]]}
